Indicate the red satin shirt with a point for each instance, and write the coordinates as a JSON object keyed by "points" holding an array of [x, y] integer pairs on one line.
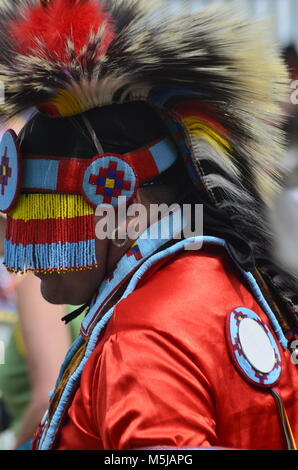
{"points": [[161, 375]]}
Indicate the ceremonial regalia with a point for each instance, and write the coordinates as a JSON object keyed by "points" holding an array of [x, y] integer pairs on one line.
{"points": [[162, 371], [180, 347]]}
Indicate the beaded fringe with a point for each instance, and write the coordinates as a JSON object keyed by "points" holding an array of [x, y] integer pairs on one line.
{"points": [[50, 233]]}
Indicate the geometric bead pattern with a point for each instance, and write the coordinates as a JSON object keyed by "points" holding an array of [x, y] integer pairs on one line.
{"points": [[265, 380], [9, 171], [5, 171], [110, 182], [107, 178], [134, 251]]}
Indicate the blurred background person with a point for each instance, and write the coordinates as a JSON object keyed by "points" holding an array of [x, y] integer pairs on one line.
{"points": [[34, 354], [8, 319], [35, 343], [285, 209]]}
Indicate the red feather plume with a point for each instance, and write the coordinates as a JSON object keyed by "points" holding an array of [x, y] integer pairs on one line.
{"points": [[56, 22]]}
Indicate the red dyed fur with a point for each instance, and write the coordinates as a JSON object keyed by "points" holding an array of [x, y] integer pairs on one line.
{"points": [[62, 19]]}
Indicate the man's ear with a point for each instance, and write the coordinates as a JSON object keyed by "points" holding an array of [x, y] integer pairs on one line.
{"points": [[137, 216], [138, 198]]}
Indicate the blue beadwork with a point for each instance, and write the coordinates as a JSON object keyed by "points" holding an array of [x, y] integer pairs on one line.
{"points": [[49, 434], [260, 378]]}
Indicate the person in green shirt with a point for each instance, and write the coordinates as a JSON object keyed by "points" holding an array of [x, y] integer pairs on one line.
{"points": [[33, 356]]}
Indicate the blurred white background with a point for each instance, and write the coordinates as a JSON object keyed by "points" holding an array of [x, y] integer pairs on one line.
{"points": [[283, 12], [284, 18]]}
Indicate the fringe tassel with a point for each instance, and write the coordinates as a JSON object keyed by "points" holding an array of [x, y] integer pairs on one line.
{"points": [[71, 316], [50, 233], [284, 420], [50, 206]]}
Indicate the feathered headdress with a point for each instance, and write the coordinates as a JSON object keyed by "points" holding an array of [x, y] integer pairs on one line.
{"points": [[215, 79]]}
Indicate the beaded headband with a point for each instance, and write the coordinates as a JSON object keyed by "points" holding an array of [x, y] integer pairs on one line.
{"points": [[100, 180], [51, 216]]}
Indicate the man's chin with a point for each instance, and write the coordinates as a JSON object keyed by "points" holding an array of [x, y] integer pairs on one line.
{"points": [[55, 294], [71, 288]]}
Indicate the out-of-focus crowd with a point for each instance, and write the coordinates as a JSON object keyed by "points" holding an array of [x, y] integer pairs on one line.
{"points": [[33, 343], [285, 208]]}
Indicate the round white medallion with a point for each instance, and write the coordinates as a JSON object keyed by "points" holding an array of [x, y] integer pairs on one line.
{"points": [[256, 345]]}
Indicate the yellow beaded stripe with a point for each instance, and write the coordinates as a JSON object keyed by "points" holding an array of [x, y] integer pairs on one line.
{"points": [[50, 233], [50, 206]]}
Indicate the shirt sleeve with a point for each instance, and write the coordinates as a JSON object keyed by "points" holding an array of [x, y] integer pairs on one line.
{"points": [[148, 391]]}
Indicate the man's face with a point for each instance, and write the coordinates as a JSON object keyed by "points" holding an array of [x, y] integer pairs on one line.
{"points": [[77, 287]]}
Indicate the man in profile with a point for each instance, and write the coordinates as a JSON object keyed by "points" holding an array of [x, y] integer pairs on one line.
{"points": [[178, 348]]}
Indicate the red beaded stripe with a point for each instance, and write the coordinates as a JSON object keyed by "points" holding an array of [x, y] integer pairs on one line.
{"points": [[144, 164], [70, 175], [50, 230], [71, 170]]}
